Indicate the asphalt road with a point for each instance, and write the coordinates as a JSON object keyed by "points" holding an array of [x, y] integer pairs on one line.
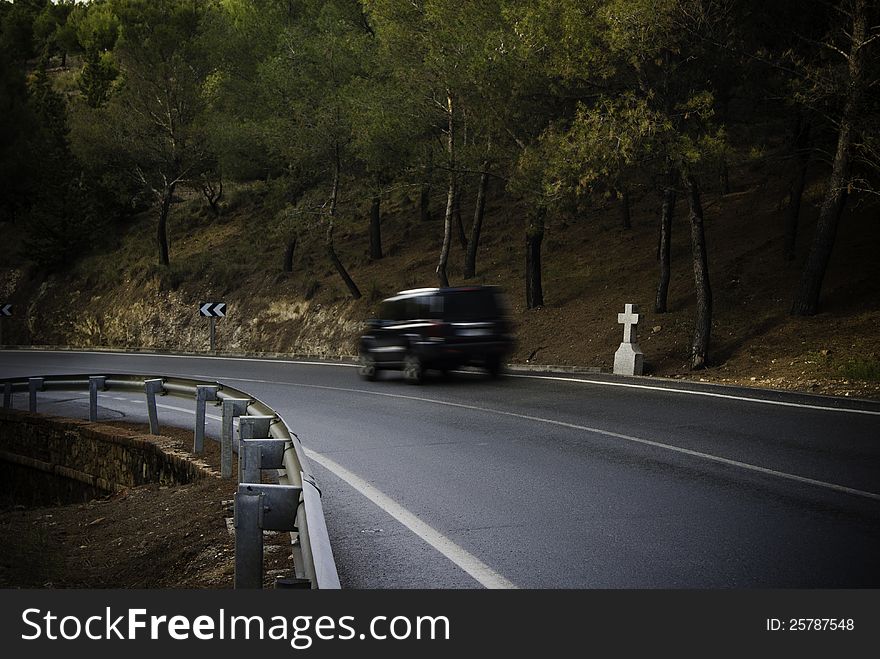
{"points": [[541, 481]]}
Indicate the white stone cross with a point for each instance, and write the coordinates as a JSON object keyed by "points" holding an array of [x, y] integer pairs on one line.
{"points": [[629, 358], [630, 321]]}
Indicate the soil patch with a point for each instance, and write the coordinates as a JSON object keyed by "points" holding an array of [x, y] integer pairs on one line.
{"points": [[144, 537]]}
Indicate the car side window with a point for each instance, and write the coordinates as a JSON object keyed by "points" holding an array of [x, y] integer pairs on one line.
{"points": [[422, 307], [434, 304], [411, 309]]}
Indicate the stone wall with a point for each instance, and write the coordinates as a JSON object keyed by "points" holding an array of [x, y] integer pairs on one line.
{"points": [[76, 459]]}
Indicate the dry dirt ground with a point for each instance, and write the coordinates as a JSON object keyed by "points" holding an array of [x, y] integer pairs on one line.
{"points": [[144, 537]]}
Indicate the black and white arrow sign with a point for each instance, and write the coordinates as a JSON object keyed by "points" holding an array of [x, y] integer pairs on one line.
{"points": [[213, 309], [5, 309]]}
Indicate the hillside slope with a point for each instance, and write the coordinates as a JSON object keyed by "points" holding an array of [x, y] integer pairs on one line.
{"points": [[119, 298]]}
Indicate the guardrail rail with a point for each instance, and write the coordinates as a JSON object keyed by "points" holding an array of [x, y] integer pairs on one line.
{"points": [[265, 442]]}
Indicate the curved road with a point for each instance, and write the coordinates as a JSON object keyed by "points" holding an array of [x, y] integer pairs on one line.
{"points": [[561, 481]]}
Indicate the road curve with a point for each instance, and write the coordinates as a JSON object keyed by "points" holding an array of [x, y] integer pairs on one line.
{"points": [[562, 481]]}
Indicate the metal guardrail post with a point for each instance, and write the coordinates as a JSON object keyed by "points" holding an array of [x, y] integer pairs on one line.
{"points": [[248, 539], [95, 382], [153, 387], [254, 427], [250, 458], [250, 454], [7, 395], [277, 510], [232, 407], [204, 393], [34, 385]]}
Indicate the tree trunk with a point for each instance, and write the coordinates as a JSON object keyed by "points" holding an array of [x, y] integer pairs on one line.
{"points": [[328, 239], [806, 301], [162, 228], [375, 229], [470, 259], [703, 319], [288, 255], [340, 269], [213, 194], [802, 155], [664, 251], [450, 197], [624, 209], [724, 177], [456, 213], [425, 190], [534, 238]]}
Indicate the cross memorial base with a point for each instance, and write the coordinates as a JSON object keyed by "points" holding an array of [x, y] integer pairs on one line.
{"points": [[629, 359]]}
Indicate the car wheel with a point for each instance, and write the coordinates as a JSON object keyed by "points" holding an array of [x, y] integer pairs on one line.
{"points": [[368, 368], [494, 367], [413, 370]]}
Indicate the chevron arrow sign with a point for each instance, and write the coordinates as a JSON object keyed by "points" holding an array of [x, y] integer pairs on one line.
{"points": [[213, 309], [5, 309]]}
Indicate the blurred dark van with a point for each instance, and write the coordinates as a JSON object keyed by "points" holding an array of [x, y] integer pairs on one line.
{"points": [[438, 328]]}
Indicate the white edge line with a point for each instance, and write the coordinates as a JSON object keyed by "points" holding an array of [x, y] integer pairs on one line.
{"points": [[473, 566], [710, 394], [647, 442], [628, 385], [462, 558], [638, 440]]}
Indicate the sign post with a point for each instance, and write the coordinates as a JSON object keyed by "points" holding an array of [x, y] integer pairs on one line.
{"points": [[212, 311]]}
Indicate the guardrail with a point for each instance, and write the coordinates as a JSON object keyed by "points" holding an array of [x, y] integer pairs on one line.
{"points": [[265, 442]]}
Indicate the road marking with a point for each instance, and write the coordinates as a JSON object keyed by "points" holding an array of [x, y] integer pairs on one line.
{"points": [[646, 442], [581, 380], [710, 394], [628, 385], [171, 407], [142, 403], [461, 557], [481, 572], [637, 440]]}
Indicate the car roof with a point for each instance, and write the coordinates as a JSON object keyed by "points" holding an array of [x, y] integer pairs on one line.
{"points": [[414, 292]]}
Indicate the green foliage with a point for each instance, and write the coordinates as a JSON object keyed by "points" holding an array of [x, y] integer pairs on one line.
{"points": [[96, 26], [61, 220], [867, 368], [564, 100], [96, 79], [601, 141], [17, 36]]}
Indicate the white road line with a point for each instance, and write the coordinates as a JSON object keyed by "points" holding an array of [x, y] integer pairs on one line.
{"points": [[582, 380], [143, 403], [705, 456], [607, 433], [173, 408], [462, 558], [710, 394], [481, 572]]}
